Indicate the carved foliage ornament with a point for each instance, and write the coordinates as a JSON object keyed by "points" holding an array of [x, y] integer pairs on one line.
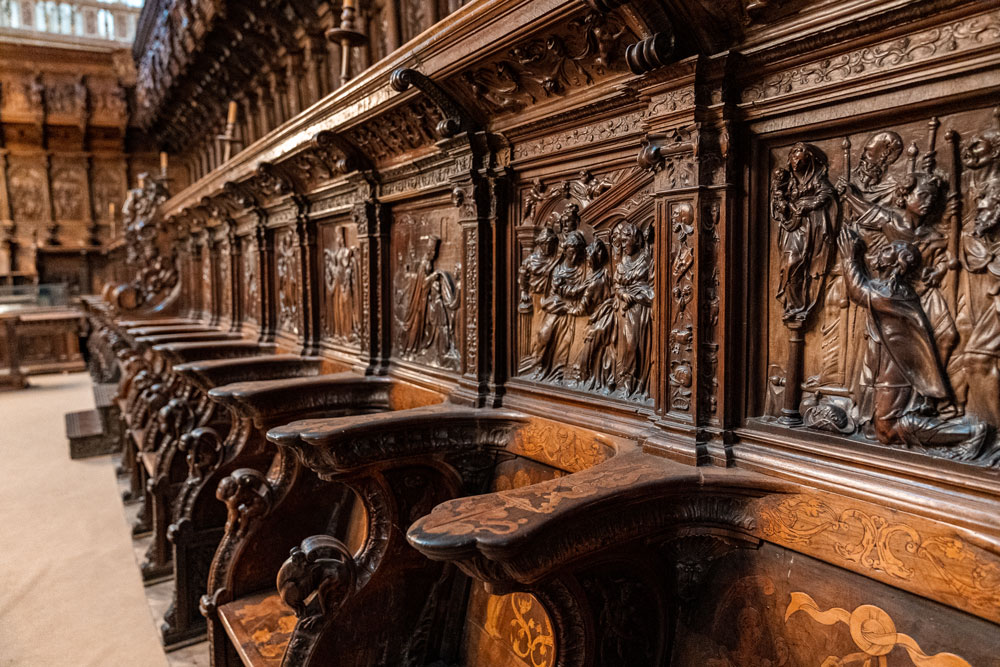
{"points": [[889, 285], [582, 52]]}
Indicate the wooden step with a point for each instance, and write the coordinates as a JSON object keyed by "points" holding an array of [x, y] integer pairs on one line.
{"points": [[260, 627], [104, 394], [86, 435]]}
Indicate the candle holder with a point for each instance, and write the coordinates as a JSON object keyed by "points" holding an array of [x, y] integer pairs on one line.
{"points": [[228, 138], [348, 37]]}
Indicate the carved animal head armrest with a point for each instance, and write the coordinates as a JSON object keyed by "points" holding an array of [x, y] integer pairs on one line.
{"points": [[211, 373], [179, 353], [267, 400], [517, 538], [464, 437], [321, 565]]}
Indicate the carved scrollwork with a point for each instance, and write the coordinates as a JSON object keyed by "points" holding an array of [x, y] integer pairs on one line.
{"points": [[203, 450], [583, 52]]}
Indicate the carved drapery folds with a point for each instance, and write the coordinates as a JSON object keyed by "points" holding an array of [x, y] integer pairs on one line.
{"points": [[889, 282], [342, 280], [427, 295], [585, 290], [287, 263]]}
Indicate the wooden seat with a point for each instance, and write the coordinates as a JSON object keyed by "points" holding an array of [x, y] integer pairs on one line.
{"points": [[259, 626], [86, 434]]}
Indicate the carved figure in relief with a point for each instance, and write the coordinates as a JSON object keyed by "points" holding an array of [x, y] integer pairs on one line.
{"points": [[802, 203], [535, 274], [594, 367], [288, 285], [341, 269], [911, 387], [550, 347], [429, 300], [978, 365], [633, 303]]}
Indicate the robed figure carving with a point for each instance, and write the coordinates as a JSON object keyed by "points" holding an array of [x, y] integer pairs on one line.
{"points": [[428, 301], [551, 345], [803, 204], [594, 367], [342, 275], [633, 304], [911, 387]]}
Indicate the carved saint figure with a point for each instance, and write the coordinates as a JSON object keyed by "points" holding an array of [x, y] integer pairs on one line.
{"points": [[594, 367], [911, 389], [535, 274], [429, 301], [550, 347], [633, 302], [341, 268], [978, 366], [802, 203]]}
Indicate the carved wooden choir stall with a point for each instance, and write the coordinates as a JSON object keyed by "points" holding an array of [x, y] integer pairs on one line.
{"points": [[552, 332]]}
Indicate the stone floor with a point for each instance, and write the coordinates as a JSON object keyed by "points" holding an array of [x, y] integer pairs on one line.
{"points": [[70, 590]]}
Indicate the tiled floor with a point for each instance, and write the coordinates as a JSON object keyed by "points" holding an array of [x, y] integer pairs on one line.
{"points": [[158, 597]]}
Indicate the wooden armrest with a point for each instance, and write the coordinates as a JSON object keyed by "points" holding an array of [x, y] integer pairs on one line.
{"points": [[179, 353], [190, 337], [212, 373], [266, 399], [157, 322], [525, 535], [340, 444], [174, 328]]}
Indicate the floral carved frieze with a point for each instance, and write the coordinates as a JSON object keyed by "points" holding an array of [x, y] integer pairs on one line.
{"points": [[964, 35], [579, 53]]}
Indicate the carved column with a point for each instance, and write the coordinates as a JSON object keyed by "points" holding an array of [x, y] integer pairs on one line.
{"points": [[265, 276], [212, 259], [235, 285], [310, 276], [250, 117], [92, 227], [372, 221], [7, 227], [688, 149]]}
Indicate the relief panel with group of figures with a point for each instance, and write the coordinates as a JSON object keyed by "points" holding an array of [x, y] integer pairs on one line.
{"points": [[426, 249], [584, 293], [884, 292], [340, 263]]}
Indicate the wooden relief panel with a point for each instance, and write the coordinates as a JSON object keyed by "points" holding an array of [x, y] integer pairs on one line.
{"points": [[225, 283], [884, 288], [207, 302], [69, 190], [340, 286], [289, 272], [585, 284], [26, 187], [774, 607], [426, 252], [109, 188], [250, 279]]}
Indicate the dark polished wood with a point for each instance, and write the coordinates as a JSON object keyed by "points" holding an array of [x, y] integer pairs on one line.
{"points": [[573, 333]]}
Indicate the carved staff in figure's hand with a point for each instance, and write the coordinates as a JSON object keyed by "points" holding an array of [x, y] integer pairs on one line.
{"points": [[954, 212]]}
